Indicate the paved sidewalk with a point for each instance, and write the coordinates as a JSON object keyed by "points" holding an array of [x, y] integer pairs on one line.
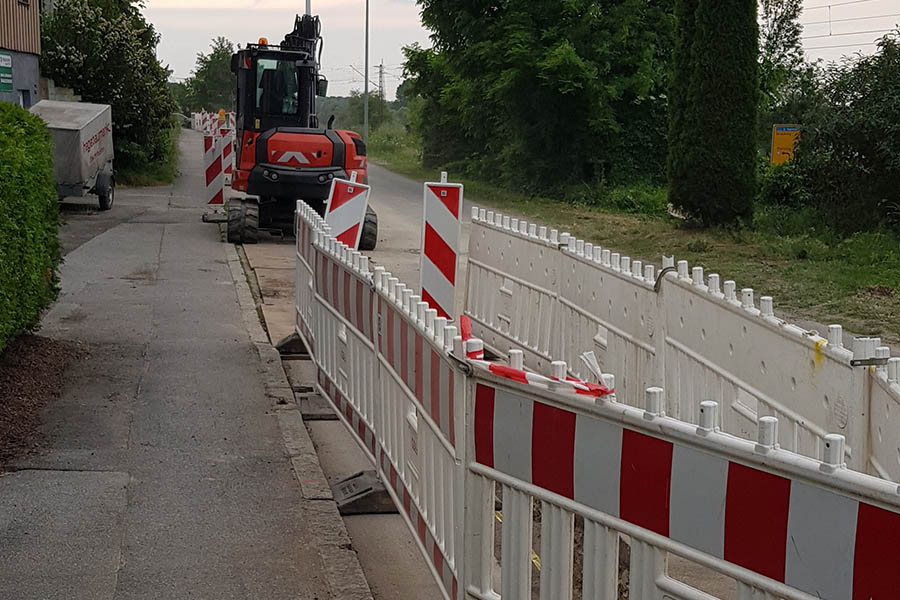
{"points": [[165, 473]]}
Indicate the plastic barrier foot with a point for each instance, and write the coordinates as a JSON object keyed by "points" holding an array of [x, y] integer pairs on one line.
{"points": [[362, 494]]}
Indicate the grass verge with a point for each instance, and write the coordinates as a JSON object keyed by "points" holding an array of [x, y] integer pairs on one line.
{"points": [[811, 273], [162, 172]]}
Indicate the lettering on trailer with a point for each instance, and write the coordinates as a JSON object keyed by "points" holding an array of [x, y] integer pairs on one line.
{"points": [[345, 210], [287, 157], [823, 542], [440, 244], [212, 159]]}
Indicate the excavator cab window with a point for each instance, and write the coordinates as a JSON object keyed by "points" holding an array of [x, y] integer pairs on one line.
{"points": [[277, 88]]}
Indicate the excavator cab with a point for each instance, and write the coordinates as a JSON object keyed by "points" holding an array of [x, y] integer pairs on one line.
{"points": [[282, 152]]}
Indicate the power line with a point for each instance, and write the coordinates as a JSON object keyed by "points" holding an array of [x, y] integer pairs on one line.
{"points": [[837, 4], [812, 37], [843, 46], [851, 19], [363, 76]]}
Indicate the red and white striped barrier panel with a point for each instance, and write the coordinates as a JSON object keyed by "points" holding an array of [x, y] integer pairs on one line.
{"points": [[756, 507], [345, 210], [228, 157], [440, 244], [212, 162]]}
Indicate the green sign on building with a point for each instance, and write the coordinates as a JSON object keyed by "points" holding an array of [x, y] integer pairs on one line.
{"points": [[6, 82]]}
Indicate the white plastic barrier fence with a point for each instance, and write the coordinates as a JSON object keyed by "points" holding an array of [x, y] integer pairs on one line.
{"points": [[778, 524], [372, 339], [505, 476], [556, 297]]}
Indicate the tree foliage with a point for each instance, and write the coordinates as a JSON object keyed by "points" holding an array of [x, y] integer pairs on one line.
{"points": [[106, 52], [212, 85], [544, 93], [780, 46], [847, 163], [716, 134]]}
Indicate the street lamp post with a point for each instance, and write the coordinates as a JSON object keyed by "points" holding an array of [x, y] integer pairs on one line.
{"points": [[366, 83]]}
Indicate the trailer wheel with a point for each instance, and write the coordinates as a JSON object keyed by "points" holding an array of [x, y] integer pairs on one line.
{"points": [[106, 190], [369, 237]]}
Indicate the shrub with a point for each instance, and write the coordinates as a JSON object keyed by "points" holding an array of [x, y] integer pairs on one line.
{"points": [[783, 185], [849, 149], [29, 220]]}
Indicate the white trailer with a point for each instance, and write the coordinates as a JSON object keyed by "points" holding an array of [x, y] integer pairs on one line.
{"points": [[82, 148]]}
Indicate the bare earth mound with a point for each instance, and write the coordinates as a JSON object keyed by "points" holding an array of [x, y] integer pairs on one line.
{"points": [[31, 376]]}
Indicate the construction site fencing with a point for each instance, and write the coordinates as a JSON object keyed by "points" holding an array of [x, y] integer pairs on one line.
{"points": [[519, 485], [556, 297]]}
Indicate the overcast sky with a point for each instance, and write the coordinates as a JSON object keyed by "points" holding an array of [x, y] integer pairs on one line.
{"points": [[187, 26]]}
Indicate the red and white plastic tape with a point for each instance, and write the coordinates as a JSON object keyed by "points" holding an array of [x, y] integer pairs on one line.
{"points": [[345, 210], [440, 244]]}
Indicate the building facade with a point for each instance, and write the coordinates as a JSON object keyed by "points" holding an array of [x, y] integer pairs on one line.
{"points": [[20, 49]]}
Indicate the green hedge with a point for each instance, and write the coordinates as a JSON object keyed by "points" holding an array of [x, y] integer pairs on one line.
{"points": [[29, 221]]}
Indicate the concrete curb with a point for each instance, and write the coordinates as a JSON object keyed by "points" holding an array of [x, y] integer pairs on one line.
{"points": [[342, 570]]}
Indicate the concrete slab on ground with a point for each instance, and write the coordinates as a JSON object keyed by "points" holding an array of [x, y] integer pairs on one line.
{"points": [[277, 289], [61, 534], [268, 255]]}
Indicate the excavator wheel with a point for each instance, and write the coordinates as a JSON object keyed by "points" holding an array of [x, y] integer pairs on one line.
{"points": [[243, 221], [369, 236]]}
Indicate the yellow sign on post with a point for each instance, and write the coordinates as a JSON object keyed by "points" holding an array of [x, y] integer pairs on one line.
{"points": [[784, 138]]}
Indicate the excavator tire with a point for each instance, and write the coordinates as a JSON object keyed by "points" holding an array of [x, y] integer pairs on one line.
{"points": [[369, 237], [234, 212], [243, 221], [250, 234]]}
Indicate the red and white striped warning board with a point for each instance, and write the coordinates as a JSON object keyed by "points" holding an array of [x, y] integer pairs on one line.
{"points": [[345, 210], [440, 244], [812, 538], [228, 156], [212, 162]]}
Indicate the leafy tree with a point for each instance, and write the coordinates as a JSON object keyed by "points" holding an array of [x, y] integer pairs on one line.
{"points": [[718, 137], [108, 55], [545, 93], [849, 150], [681, 112], [183, 96], [780, 46], [212, 85]]}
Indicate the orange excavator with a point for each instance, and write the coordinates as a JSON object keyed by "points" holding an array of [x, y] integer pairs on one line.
{"points": [[282, 151]]}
